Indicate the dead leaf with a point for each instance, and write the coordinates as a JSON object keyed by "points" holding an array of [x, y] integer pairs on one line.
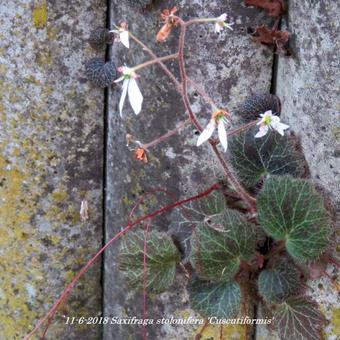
{"points": [[279, 39], [274, 8], [140, 155]]}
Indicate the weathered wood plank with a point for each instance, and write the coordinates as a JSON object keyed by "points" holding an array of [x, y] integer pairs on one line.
{"points": [[51, 156], [230, 67]]}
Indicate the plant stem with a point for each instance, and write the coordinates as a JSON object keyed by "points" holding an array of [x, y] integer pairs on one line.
{"points": [[202, 93], [199, 90], [160, 63], [242, 128], [248, 199], [71, 285], [155, 61], [166, 135]]}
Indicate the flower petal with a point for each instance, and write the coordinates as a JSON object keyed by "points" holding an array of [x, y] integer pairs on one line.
{"points": [[262, 132], [135, 96], [218, 28], [206, 133], [123, 96], [222, 17], [222, 135], [279, 127], [124, 38], [119, 79]]}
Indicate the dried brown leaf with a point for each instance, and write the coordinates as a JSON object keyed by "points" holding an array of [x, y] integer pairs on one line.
{"points": [[272, 37], [274, 8]]}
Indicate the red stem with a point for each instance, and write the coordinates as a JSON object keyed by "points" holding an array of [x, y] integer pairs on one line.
{"points": [[165, 136], [248, 199], [145, 335], [71, 285]]}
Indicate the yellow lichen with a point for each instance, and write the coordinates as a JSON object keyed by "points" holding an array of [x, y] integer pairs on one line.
{"points": [[40, 15], [336, 321], [229, 332]]}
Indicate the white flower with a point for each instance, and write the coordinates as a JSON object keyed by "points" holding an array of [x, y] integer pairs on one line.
{"points": [[220, 23], [123, 34], [124, 37], [131, 88], [218, 119], [267, 121]]}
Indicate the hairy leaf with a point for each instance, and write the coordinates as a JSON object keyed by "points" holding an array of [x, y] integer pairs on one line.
{"points": [[255, 158], [299, 318], [161, 259], [279, 282], [220, 243], [212, 204], [184, 220], [291, 210], [222, 299]]}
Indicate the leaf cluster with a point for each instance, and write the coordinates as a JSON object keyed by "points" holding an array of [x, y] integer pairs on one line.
{"points": [[226, 244]]}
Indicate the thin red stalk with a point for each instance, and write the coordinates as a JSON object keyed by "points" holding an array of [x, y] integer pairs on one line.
{"points": [[71, 285], [153, 191], [248, 199], [199, 335], [165, 136], [201, 92], [242, 128], [181, 62], [47, 326], [145, 335], [160, 63], [221, 332], [155, 61]]}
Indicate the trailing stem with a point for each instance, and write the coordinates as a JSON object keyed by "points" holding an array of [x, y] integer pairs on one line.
{"points": [[50, 314]]}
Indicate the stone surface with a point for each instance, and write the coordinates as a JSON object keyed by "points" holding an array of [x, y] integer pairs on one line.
{"points": [[51, 156], [308, 84], [230, 67]]}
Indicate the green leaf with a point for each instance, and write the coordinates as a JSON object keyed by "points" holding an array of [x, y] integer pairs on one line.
{"points": [[220, 243], [299, 319], [255, 158], [213, 204], [222, 299], [161, 259], [279, 282], [291, 210]]}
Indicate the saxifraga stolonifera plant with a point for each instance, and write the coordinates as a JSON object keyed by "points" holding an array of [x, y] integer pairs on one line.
{"points": [[257, 232], [237, 256]]}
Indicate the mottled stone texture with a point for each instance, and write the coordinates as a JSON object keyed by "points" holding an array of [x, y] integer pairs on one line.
{"points": [[230, 67], [51, 148], [308, 84]]}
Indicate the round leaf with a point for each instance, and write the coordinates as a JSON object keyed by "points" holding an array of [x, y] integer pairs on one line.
{"points": [[161, 259], [279, 282], [220, 243], [255, 158], [291, 210], [299, 318], [221, 300]]}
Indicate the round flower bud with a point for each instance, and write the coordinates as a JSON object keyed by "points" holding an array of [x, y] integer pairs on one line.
{"points": [[252, 106], [100, 37], [100, 72]]}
